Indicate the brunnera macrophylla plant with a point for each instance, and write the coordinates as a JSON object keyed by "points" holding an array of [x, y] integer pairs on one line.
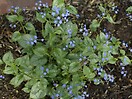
{"points": [[60, 62]]}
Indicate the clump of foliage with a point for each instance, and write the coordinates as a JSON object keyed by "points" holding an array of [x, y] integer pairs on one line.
{"points": [[58, 60]]}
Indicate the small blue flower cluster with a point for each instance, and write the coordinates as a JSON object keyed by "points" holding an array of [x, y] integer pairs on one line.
{"points": [[14, 9], [72, 43], [115, 9], [39, 5], [55, 11], [123, 71], [79, 97], [32, 41], [106, 33], [2, 77], [84, 30], [85, 94], [58, 21], [69, 33], [69, 89], [104, 59], [129, 16], [130, 49], [13, 26], [107, 77], [82, 57], [125, 44], [96, 81], [43, 14], [94, 47], [100, 16], [45, 71], [59, 17], [104, 56], [56, 95]]}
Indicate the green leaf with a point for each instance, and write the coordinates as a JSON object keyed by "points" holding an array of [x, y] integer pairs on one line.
{"points": [[122, 52], [53, 73], [102, 36], [12, 18], [20, 18], [112, 60], [101, 8], [72, 9], [29, 26], [8, 58], [38, 61], [88, 73], [8, 70], [58, 3], [94, 25], [22, 61], [40, 50], [16, 36], [17, 80], [39, 90], [25, 89], [129, 9], [58, 31], [110, 19], [52, 39], [48, 29], [24, 40], [29, 85], [39, 18], [1, 62], [125, 60], [74, 67]]}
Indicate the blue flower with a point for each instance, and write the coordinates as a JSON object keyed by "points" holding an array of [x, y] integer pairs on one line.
{"points": [[70, 92], [104, 54], [55, 84], [55, 21], [106, 36], [103, 59], [122, 72], [80, 59], [72, 43], [2, 77], [64, 85], [105, 77], [52, 97], [42, 40], [56, 9], [60, 22], [58, 18], [111, 47], [35, 37], [94, 47], [63, 15], [47, 70], [42, 68], [77, 16], [69, 31], [45, 73], [124, 75], [122, 68], [57, 95]]}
